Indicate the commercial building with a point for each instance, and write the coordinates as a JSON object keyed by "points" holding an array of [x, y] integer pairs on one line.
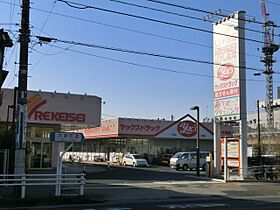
{"points": [[48, 112], [150, 138], [269, 138]]}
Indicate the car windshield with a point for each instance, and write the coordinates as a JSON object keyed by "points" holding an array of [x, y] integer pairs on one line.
{"points": [[137, 156], [177, 155]]}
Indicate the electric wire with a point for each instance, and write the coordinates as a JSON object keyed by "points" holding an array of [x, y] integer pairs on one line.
{"points": [[146, 53], [49, 14], [180, 15], [274, 3], [12, 10], [170, 57], [82, 7], [135, 31], [8, 24], [198, 10], [158, 10], [149, 66], [131, 30]]}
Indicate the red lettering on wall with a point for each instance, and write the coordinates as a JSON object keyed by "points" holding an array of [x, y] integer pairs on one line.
{"points": [[63, 116], [46, 115], [80, 117], [59, 116], [71, 117], [54, 116], [39, 115]]}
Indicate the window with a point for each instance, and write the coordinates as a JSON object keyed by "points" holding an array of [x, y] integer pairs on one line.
{"points": [[185, 156], [193, 155]]}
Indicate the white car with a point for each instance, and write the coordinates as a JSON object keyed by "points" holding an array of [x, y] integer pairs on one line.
{"points": [[134, 160], [187, 160]]}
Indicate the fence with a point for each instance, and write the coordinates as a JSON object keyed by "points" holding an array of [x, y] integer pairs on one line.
{"points": [[24, 180], [264, 172]]}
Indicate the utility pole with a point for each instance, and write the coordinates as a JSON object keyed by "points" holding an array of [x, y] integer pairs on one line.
{"points": [[268, 50], [22, 90]]}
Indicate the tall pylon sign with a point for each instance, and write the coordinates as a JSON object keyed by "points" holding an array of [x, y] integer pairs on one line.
{"points": [[230, 82]]}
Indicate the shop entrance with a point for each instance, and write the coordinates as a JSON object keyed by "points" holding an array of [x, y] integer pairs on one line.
{"points": [[41, 154]]}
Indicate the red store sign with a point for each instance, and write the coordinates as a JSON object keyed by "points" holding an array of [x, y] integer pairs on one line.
{"points": [[187, 128]]}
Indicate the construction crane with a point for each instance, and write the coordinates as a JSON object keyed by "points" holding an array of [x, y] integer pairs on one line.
{"points": [[269, 48]]}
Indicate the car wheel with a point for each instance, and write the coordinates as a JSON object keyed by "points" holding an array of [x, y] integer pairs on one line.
{"points": [[185, 167], [124, 163], [134, 164]]}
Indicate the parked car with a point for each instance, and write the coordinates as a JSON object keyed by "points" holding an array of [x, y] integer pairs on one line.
{"points": [[134, 160], [165, 159], [187, 160]]}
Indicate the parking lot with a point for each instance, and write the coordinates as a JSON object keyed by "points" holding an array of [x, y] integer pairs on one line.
{"points": [[114, 173]]}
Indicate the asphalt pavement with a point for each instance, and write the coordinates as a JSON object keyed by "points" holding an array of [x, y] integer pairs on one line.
{"points": [[159, 188]]}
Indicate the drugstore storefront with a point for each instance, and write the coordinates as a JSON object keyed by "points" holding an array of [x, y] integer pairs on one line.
{"points": [[51, 112], [147, 137]]}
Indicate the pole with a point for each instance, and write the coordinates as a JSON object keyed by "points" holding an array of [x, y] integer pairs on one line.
{"points": [[217, 147], [197, 145], [59, 166], [58, 171], [259, 131], [22, 90], [225, 160]]}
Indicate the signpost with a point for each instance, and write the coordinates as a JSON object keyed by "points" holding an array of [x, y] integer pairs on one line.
{"points": [[67, 137], [58, 138]]}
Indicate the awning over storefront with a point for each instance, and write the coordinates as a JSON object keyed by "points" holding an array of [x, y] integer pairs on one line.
{"points": [[183, 128]]}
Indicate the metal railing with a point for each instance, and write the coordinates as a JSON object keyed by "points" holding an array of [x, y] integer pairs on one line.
{"points": [[24, 180], [263, 172]]}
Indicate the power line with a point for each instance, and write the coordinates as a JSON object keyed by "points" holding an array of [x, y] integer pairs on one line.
{"points": [[135, 64], [134, 31], [130, 30], [12, 9], [149, 66], [82, 6], [178, 14], [8, 24], [49, 14], [158, 10], [274, 3], [146, 66], [197, 10], [140, 52]]}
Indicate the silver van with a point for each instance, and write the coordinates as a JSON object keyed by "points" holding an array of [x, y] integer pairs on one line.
{"points": [[187, 160]]}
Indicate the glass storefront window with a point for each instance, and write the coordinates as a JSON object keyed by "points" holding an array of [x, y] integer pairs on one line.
{"points": [[41, 154]]}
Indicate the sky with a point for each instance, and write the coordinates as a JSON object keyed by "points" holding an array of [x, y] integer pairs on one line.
{"points": [[131, 85]]}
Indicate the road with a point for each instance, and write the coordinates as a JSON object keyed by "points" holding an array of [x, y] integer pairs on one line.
{"points": [[201, 203], [101, 173], [159, 187]]}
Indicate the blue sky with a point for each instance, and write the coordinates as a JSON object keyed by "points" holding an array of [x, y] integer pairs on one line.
{"points": [[131, 90]]}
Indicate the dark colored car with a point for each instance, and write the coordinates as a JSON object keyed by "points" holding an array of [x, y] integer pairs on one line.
{"points": [[165, 159]]}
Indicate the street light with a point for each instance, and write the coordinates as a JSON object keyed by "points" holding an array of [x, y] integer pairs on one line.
{"points": [[197, 139]]}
